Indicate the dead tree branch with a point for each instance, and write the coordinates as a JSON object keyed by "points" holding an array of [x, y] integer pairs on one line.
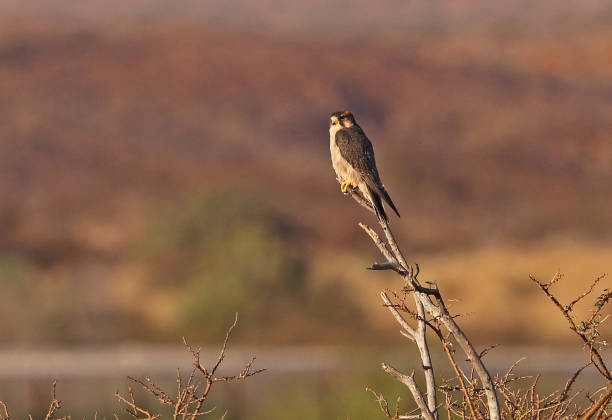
{"points": [[6, 415], [408, 380], [586, 330], [418, 335], [190, 394], [424, 305], [55, 404]]}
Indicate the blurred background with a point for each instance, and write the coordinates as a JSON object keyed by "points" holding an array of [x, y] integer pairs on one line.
{"points": [[164, 165]]}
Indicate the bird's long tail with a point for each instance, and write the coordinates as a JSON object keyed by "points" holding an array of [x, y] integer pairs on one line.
{"points": [[386, 197], [378, 205]]}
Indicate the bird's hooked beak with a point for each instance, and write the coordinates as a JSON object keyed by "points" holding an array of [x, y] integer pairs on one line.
{"points": [[334, 120]]}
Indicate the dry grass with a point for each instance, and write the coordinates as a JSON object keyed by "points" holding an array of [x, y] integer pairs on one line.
{"points": [[479, 276]]}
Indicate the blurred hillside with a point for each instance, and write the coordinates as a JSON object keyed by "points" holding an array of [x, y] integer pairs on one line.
{"points": [[491, 124]]}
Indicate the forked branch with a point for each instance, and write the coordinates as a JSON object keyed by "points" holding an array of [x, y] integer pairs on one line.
{"points": [[190, 394], [437, 311]]}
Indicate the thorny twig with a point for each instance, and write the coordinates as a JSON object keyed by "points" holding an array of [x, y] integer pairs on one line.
{"points": [[586, 330], [439, 312], [479, 400], [192, 393], [408, 380], [55, 404]]}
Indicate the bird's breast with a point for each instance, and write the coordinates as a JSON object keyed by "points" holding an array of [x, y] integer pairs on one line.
{"points": [[344, 171], [337, 160]]}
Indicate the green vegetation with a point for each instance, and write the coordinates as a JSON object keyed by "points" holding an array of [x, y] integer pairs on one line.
{"points": [[34, 308], [330, 396], [13, 271], [225, 253]]}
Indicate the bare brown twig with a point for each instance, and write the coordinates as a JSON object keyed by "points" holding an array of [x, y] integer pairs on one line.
{"points": [[586, 330], [55, 403], [384, 406], [6, 415], [459, 374], [191, 394]]}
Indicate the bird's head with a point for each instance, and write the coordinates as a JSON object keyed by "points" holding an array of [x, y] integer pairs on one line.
{"points": [[342, 119]]}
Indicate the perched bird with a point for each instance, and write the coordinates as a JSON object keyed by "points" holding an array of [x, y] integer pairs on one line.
{"points": [[353, 160]]}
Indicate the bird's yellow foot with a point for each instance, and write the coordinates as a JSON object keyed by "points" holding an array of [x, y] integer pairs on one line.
{"points": [[346, 186], [343, 186]]}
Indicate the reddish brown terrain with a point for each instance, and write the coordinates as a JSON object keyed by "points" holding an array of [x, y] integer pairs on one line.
{"points": [[491, 126]]}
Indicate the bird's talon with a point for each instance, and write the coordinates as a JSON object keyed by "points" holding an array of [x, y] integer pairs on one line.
{"points": [[344, 187]]}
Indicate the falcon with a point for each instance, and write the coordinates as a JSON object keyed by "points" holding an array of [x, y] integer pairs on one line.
{"points": [[353, 160]]}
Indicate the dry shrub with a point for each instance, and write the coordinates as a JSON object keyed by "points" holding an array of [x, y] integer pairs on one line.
{"points": [[473, 393]]}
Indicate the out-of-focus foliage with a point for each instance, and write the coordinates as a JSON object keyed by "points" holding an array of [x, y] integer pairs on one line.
{"points": [[30, 307], [193, 266], [223, 253], [12, 272], [13, 277], [336, 396]]}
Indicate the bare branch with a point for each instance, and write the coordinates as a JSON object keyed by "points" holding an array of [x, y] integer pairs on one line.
{"points": [[408, 380], [570, 382], [566, 310], [379, 244], [586, 293], [603, 400], [398, 317], [6, 415], [387, 266], [191, 395], [222, 352], [133, 409], [439, 312], [384, 406], [459, 375], [55, 404]]}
